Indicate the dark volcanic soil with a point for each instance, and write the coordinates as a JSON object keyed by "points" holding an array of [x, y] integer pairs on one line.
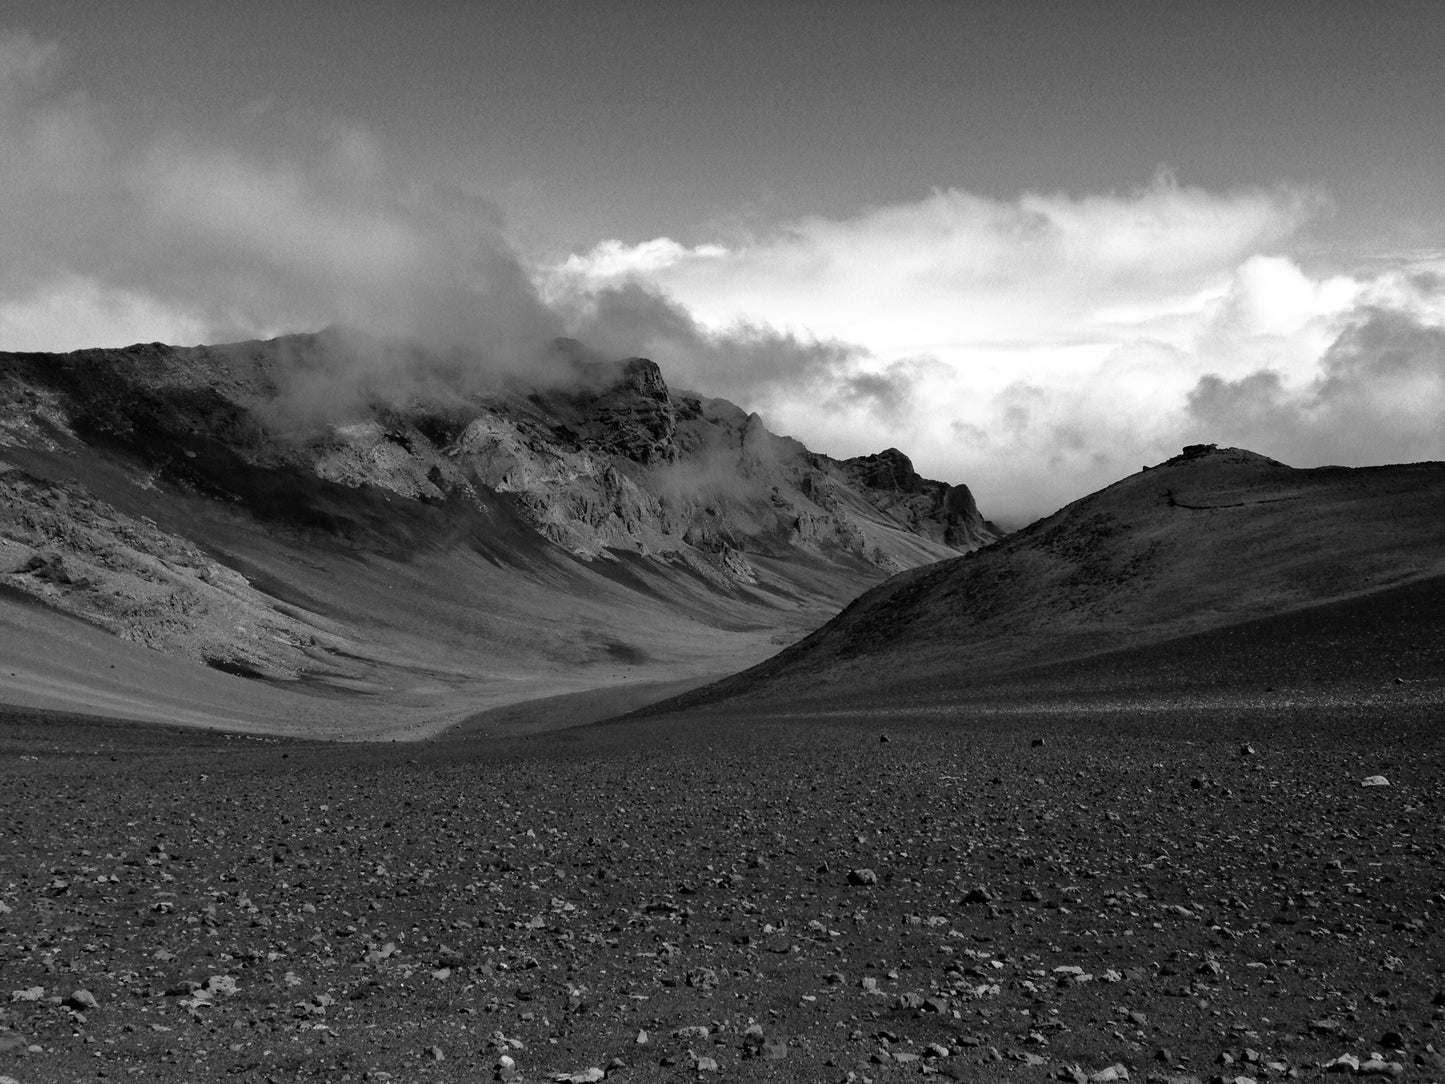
{"points": [[675, 898]]}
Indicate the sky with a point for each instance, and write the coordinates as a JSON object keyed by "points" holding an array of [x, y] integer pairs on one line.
{"points": [[1033, 245]]}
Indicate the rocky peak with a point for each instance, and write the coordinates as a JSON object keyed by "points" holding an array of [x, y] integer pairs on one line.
{"points": [[934, 509], [888, 469], [619, 408]]}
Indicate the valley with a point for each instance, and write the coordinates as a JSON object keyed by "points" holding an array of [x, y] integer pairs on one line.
{"points": [[569, 771]]}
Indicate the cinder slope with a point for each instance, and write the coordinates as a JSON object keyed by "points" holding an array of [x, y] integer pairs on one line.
{"points": [[1194, 547]]}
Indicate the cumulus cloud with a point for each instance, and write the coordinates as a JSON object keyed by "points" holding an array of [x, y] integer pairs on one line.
{"points": [[1378, 396], [956, 268], [1071, 339]]}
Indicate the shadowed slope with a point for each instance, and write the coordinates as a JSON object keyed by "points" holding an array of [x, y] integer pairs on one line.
{"points": [[1114, 584]]}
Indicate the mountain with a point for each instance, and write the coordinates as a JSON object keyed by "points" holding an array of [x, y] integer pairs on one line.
{"points": [[1220, 567], [330, 530]]}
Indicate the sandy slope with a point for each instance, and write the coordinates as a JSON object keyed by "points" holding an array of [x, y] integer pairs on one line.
{"points": [[53, 661]]}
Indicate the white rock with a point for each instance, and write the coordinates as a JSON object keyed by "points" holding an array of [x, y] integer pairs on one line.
{"points": [[1374, 781]]}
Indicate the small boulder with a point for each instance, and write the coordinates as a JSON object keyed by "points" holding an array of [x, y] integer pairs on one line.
{"points": [[83, 1000]]}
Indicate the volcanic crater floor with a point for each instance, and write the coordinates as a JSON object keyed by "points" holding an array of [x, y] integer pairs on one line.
{"points": [[1161, 895]]}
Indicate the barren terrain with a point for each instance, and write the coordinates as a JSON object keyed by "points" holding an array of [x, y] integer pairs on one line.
{"points": [[1180, 894]]}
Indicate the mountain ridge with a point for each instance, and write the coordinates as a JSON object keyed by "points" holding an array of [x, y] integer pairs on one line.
{"points": [[244, 505]]}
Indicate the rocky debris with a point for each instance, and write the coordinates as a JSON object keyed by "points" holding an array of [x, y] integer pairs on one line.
{"points": [[657, 889]]}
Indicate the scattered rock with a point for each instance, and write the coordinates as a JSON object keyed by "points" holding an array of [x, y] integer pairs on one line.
{"points": [[1110, 1074], [82, 999]]}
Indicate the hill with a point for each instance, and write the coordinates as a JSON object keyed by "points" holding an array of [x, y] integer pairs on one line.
{"points": [[1219, 568]]}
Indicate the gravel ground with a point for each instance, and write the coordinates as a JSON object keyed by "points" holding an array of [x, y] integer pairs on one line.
{"points": [[1167, 895]]}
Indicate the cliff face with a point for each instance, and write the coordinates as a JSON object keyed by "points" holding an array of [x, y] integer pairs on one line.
{"points": [[602, 460], [936, 510]]}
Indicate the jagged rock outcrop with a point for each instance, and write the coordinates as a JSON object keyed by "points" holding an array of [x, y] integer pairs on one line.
{"points": [[943, 512], [633, 416]]}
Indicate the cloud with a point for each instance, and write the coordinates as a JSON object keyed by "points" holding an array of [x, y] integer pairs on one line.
{"points": [[291, 221], [284, 222], [955, 268], [1378, 397], [1060, 333], [749, 361]]}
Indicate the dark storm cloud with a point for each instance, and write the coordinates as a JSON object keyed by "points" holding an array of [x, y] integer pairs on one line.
{"points": [[888, 393]]}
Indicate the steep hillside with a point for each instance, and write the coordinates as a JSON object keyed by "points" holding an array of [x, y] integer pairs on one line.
{"points": [[359, 520], [1207, 542]]}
